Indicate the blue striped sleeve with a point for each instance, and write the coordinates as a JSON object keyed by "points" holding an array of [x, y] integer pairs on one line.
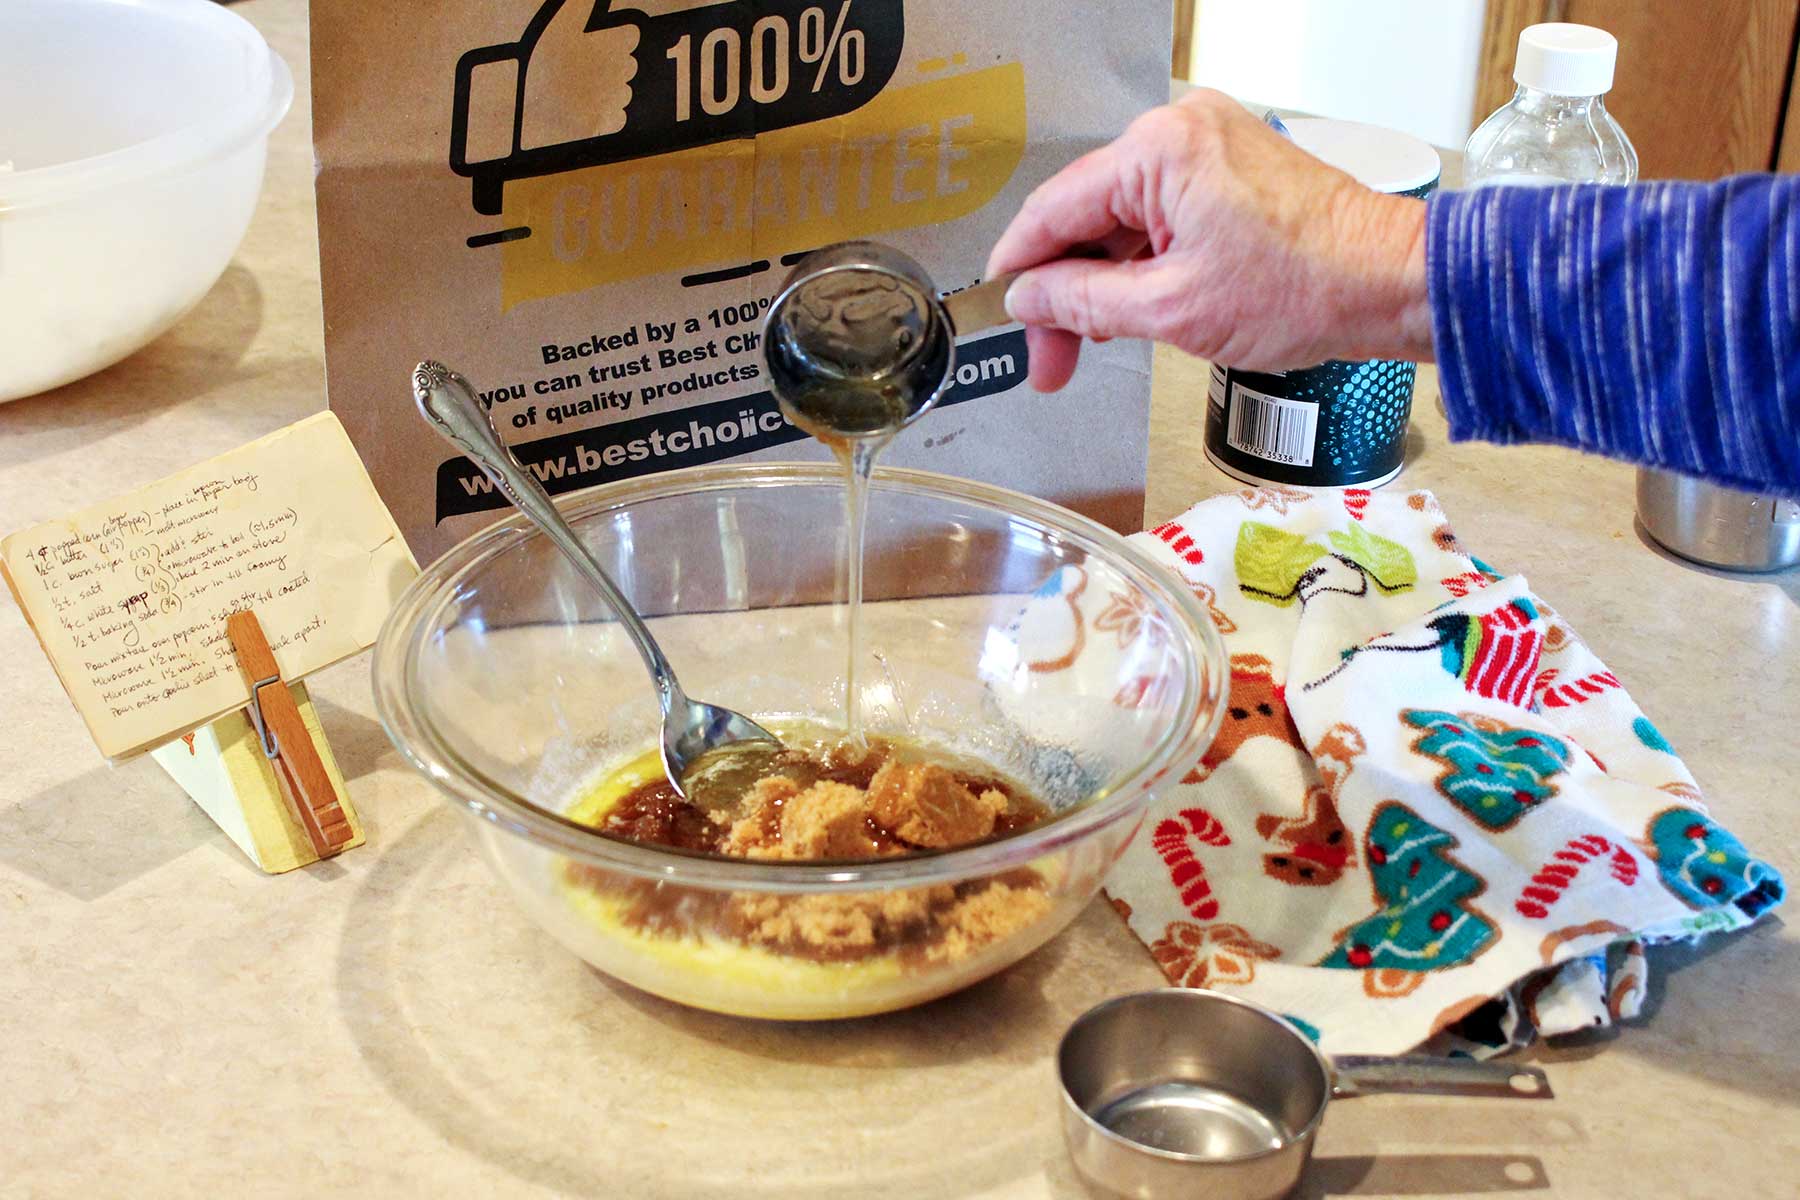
{"points": [[1658, 323]]}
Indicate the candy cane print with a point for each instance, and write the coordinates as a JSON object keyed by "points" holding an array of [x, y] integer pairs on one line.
{"points": [[1462, 585], [1624, 866], [1170, 841], [1555, 876], [1551, 694], [1181, 542]]}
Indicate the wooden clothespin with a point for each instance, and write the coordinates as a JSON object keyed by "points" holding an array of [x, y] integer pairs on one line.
{"points": [[305, 783]]}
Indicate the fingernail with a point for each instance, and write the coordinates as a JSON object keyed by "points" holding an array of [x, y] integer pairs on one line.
{"points": [[1018, 292]]}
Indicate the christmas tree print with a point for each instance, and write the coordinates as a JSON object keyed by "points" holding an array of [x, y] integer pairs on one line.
{"points": [[1425, 922], [1493, 772], [1706, 867]]}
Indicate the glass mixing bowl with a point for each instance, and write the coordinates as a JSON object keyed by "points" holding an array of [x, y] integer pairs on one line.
{"points": [[995, 626]]}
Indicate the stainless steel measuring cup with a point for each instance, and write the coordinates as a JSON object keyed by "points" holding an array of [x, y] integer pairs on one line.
{"points": [[1179, 1092], [859, 344]]}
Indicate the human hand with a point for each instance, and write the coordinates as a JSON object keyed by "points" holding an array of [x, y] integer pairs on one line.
{"points": [[1226, 240]]}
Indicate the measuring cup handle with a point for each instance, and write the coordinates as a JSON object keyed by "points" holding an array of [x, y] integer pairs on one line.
{"points": [[984, 305], [980, 307], [1358, 1075]]}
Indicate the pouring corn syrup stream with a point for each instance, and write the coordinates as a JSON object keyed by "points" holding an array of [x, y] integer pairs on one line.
{"points": [[858, 347]]}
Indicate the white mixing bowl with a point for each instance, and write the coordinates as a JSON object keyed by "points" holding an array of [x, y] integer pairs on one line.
{"points": [[132, 136]]}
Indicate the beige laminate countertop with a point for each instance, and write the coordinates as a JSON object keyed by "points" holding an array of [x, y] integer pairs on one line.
{"points": [[176, 1023]]}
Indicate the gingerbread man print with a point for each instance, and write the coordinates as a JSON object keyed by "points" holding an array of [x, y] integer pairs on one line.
{"points": [[1257, 708], [1317, 846]]}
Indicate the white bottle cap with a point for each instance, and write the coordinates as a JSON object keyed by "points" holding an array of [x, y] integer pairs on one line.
{"points": [[1384, 159], [1566, 60]]}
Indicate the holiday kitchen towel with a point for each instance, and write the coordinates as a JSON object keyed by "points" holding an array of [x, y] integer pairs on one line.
{"points": [[1429, 800]]}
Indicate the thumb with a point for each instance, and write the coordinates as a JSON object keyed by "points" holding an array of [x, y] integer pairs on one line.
{"points": [[578, 81], [1096, 299]]}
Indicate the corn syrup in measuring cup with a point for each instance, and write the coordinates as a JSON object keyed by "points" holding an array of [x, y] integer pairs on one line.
{"points": [[1338, 424], [856, 343]]}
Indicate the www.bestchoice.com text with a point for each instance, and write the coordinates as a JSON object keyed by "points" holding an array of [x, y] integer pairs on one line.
{"points": [[748, 426], [656, 444]]}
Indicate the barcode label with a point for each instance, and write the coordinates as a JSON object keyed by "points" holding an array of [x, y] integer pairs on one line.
{"points": [[1272, 428], [1215, 388]]}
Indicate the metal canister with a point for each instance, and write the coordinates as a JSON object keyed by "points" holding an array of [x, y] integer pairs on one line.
{"points": [[1337, 424], [1718, 526]]}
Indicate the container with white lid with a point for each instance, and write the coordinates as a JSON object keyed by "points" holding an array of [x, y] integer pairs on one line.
{"points": [[1339, 424]]}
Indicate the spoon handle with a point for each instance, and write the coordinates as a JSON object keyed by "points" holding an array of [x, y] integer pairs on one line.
{"points": [[450, 404]]}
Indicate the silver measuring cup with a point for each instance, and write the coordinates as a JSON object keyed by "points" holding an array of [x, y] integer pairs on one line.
{"points": [[859, 344], [1180, 1093]]}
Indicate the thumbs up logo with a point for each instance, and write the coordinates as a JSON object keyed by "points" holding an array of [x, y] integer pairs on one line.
{"points": [[591, 82], [577, 82]]}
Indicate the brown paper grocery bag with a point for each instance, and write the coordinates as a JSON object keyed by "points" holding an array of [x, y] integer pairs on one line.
{"points": [[586, 205]]}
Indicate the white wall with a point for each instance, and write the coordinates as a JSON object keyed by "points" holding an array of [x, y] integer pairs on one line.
{"points": [[1406, 64]]}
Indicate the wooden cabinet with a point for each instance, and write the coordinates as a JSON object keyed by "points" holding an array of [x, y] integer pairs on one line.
{"points": [[1182, 65], [1703, 86]]}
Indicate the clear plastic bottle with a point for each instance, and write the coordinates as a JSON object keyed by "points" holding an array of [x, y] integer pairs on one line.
{"points": [[1556, 128]]}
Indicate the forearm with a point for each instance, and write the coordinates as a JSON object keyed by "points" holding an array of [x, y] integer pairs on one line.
{"points": [[1386, 313], [1659, 324]]}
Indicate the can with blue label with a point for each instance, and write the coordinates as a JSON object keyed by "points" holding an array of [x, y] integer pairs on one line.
{"points": [[1339, 424]]}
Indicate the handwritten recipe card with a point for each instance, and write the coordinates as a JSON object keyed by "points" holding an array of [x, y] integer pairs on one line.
{"points": [[130, 597]]}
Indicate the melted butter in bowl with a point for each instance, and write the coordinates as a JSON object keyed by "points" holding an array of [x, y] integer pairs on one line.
{"points": [[819, 798], [833, 954]]}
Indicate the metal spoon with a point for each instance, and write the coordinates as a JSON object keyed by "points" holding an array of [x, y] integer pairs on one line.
{"points": [[736, 749]]}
